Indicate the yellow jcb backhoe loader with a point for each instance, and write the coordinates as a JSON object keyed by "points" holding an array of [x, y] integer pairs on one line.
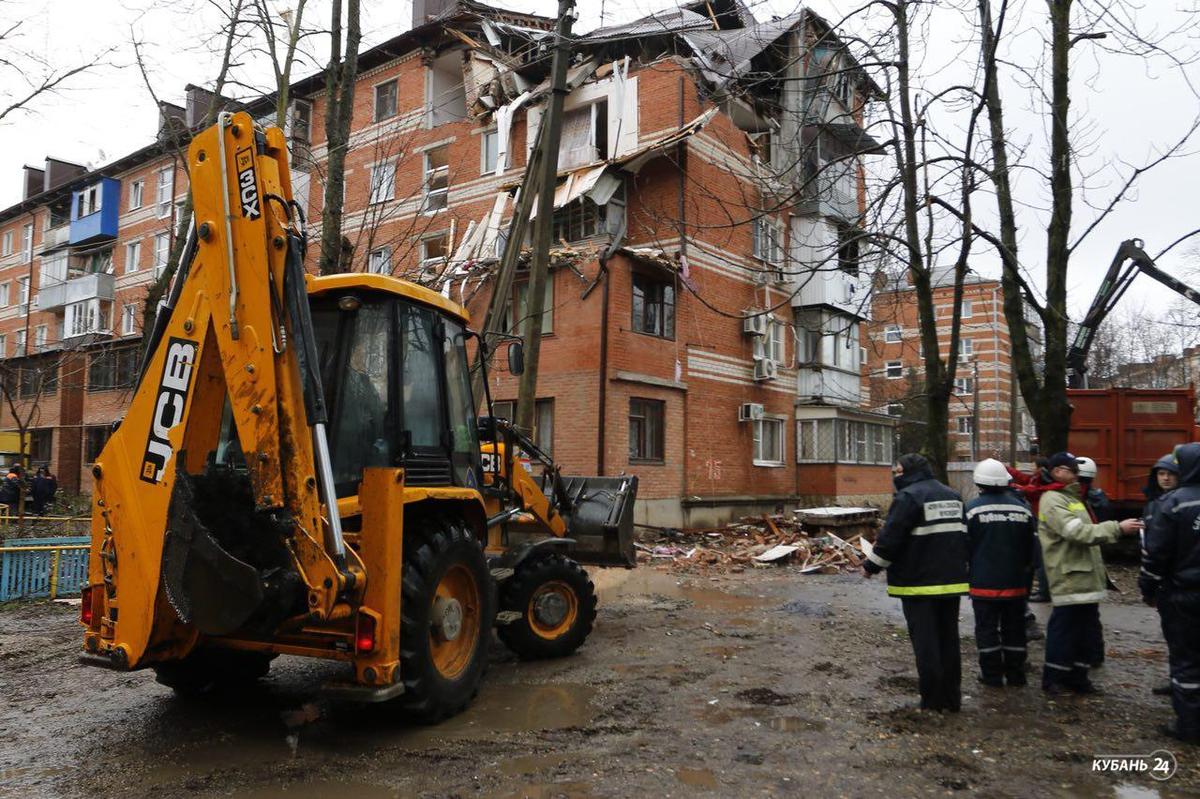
{"points": [[302, 471]]}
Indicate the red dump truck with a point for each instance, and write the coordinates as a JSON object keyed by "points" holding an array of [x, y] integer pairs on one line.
{"points": [[1125, 430]]}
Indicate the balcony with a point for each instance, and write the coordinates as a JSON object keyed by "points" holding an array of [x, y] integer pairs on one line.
{"points": [[817, 277], [94, 212], [78, 289], [828, 386], [830, 192], [56, 238]]}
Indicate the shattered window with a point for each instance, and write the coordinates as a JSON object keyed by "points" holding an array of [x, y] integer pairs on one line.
{"points": [[385, 100], [578, 219], [435, 248], [653, 306], [584, 136], [445, 92], [437, 179]]}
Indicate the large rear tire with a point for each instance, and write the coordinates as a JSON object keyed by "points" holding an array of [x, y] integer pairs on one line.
{"points": [[205, 670], [557, 603], [447, 610]]}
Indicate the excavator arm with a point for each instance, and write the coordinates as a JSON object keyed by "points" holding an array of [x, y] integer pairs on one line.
{"points": [[1130, 259], [186, 542]]}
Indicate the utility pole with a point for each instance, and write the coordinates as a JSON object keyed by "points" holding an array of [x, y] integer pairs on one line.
{"points": [[549, 137]]}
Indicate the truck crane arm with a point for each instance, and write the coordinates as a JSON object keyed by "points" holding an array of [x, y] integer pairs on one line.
{"points": [[1129, 260]]}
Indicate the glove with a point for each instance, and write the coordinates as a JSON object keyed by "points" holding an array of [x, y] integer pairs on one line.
{"points": [[871, 567]]}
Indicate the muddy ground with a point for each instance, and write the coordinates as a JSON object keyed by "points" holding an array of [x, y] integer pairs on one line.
{"points": [[762, 683]]}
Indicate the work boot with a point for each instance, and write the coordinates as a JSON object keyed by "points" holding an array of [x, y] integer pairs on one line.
{"points": [[1088, 689], [1016, 679], [993, 682], [1162, 689]]}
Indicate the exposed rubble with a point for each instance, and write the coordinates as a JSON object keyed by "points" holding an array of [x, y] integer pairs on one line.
{"points": [[811, 540]]}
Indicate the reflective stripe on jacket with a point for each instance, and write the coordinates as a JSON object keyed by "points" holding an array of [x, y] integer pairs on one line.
{"points": [[1071, 547], [923, 543], [1001, 531]]}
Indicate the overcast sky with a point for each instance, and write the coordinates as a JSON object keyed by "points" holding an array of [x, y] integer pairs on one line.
{"points": [[1129, 107]]}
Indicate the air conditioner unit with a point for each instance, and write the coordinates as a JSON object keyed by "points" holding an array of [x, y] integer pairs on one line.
{"points": [[755, 324], [750, 411], [765, 369]]}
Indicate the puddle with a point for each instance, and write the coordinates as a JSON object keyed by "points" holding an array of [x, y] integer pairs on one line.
{"points": [[794, 724], [548, 790], [696, 777], [621, 585], [506, 708], [315, 790], [529, 764]]}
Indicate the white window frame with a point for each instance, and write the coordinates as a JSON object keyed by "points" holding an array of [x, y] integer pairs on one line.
{"points": [[489, 134], [967, 310], [23, 292], [899, 406], [5, 294], [21, 339], [767, 244], [165, 184], [292, 126], [428, 194], [3, 345], [776, 341], [383, 183], [6, 248], [90, 200], [39, 336], [380, 257], [128, 319], [760, 426], [964, 385], [162, 254], [27, 243], [966, 347], [966, 425], [893, 334], [133, 256], [899, 369], [137, 190]]}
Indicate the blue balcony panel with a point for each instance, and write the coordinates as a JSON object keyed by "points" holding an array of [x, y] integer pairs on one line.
{"points": [[98, 225]]}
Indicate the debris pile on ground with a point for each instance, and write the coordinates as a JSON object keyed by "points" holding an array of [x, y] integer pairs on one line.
{"points": [[814, 540]]}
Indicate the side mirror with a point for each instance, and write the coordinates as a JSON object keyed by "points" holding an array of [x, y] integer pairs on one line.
{"points": [[516, 358]]}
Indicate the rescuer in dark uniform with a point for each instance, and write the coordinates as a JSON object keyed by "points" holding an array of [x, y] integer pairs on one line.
{"points": [[1170, 580], [1164, 477], [923, 546], [1001, 531]]}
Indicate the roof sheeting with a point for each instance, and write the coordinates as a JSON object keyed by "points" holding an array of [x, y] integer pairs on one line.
{"points": [[726, 55], [672, 21]]}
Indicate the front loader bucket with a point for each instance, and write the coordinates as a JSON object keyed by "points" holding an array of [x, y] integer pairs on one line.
{"points": [[602, 519]]}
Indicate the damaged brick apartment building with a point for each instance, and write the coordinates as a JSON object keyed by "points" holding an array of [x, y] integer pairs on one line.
{"points": [[705, 302]]}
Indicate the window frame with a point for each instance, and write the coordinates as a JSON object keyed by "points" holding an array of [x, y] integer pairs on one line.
{"points": [[128, 319], [6, 243], [489, 134], [899, 367], [964, 385], [163, 205], [651, 443], [380, 254], [966, 347], [967, 422], [434, 173], [137, 194], [381, 176], [394, 85], [758, 432], [650, 280], [893, 334], [133, 256]]}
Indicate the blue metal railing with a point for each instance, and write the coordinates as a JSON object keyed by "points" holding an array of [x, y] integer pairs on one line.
{"points": [[31, 568]]}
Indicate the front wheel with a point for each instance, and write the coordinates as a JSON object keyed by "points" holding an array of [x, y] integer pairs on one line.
{"points": [[557, 605], [448, 606]]}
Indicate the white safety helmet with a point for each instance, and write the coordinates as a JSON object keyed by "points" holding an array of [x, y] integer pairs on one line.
{"points": [[1087, 468], [991, 472]]}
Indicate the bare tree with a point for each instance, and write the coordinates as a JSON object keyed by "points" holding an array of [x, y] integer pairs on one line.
{"points": [[340, 77], [26, 75]]}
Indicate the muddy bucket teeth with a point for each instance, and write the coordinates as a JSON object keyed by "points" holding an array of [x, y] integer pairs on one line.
{"points": [[208, 587]]}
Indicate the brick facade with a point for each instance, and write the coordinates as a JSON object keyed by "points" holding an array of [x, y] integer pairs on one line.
{"points": [[688, 211]]}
